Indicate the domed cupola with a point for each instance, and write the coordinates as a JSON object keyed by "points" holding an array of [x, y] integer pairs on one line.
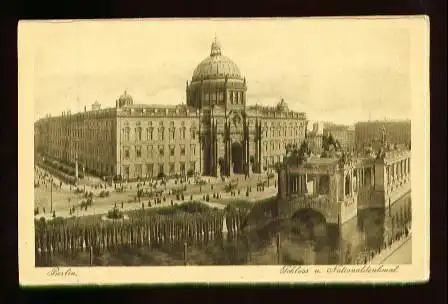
{"points": [[125, 100], [216, 80], [216, 66]]}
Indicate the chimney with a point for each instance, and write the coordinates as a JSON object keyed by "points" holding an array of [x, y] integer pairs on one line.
{"points": [[85, 108]]}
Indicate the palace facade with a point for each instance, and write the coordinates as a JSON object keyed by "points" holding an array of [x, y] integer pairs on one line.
{"points": [[214, 134], [369, 133]]}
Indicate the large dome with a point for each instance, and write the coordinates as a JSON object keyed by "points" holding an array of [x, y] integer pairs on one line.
{"points": [[216, 66]]}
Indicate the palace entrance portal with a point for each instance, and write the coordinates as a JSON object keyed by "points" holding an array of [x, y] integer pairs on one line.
{"points": [[237, 158]]}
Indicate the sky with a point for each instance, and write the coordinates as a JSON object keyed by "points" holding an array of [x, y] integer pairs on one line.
{"points": [[334, 70]]}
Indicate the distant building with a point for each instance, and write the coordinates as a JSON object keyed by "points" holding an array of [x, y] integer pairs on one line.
{"points": [[215, 133], [370, 133], [318, 128], [96, 106], [342, 133]]}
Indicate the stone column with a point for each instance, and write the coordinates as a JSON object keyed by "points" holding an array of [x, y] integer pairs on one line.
{"points": [[343, 186], [350, 174], [407, 167], [395, 172], [76, 168], [293, 184], [335, 180], [305, 180], [361, 177], [403, 174], [230, 157]]}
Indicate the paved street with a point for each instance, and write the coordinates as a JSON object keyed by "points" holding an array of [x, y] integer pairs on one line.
{"points": [[402, 255]]}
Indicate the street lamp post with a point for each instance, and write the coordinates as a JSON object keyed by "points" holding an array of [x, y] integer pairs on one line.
{"points": [[51, 195]]}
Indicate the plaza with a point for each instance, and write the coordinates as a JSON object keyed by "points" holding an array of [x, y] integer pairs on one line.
{"points": [[62, 198]]}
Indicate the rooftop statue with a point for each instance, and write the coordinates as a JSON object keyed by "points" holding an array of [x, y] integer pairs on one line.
{"points": [[282, 106], [381, 154]]}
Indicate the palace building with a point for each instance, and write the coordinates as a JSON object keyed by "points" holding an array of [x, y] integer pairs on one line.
{"points": [[214, 134], [369, 133]]}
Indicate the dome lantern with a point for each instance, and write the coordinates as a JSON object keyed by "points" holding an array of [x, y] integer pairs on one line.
{"points": [[125, 99], [216, 48]]}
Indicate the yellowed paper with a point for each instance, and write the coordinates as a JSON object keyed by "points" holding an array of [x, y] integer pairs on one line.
{"points": [[224, 150]]}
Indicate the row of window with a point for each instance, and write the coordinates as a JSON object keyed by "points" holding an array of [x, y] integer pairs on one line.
{"points": [[280, 145], [160, 150], [82, 148], [283, 132], [150, 134], [235, 97], [152, 170], [61, 137]]}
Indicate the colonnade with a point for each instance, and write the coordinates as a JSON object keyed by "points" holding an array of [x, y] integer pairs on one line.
{"points": [[297, 184], [364, 177], [397, 173]]}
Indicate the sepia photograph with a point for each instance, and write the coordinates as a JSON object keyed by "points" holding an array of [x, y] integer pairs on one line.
{"points": [[223, 143]]}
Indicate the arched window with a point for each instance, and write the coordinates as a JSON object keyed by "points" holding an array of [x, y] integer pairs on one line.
{"points": [[126, 132], [138, 133], [182, 132], [161, 133], [347, 185], [149, 133]]}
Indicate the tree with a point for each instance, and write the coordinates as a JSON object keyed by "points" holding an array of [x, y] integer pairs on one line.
{"points": [[338, 145], [190, 173], [304, 148], [288, 149]]}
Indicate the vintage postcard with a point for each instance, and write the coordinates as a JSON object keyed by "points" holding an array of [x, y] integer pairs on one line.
{"points": [[224, 151]]}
